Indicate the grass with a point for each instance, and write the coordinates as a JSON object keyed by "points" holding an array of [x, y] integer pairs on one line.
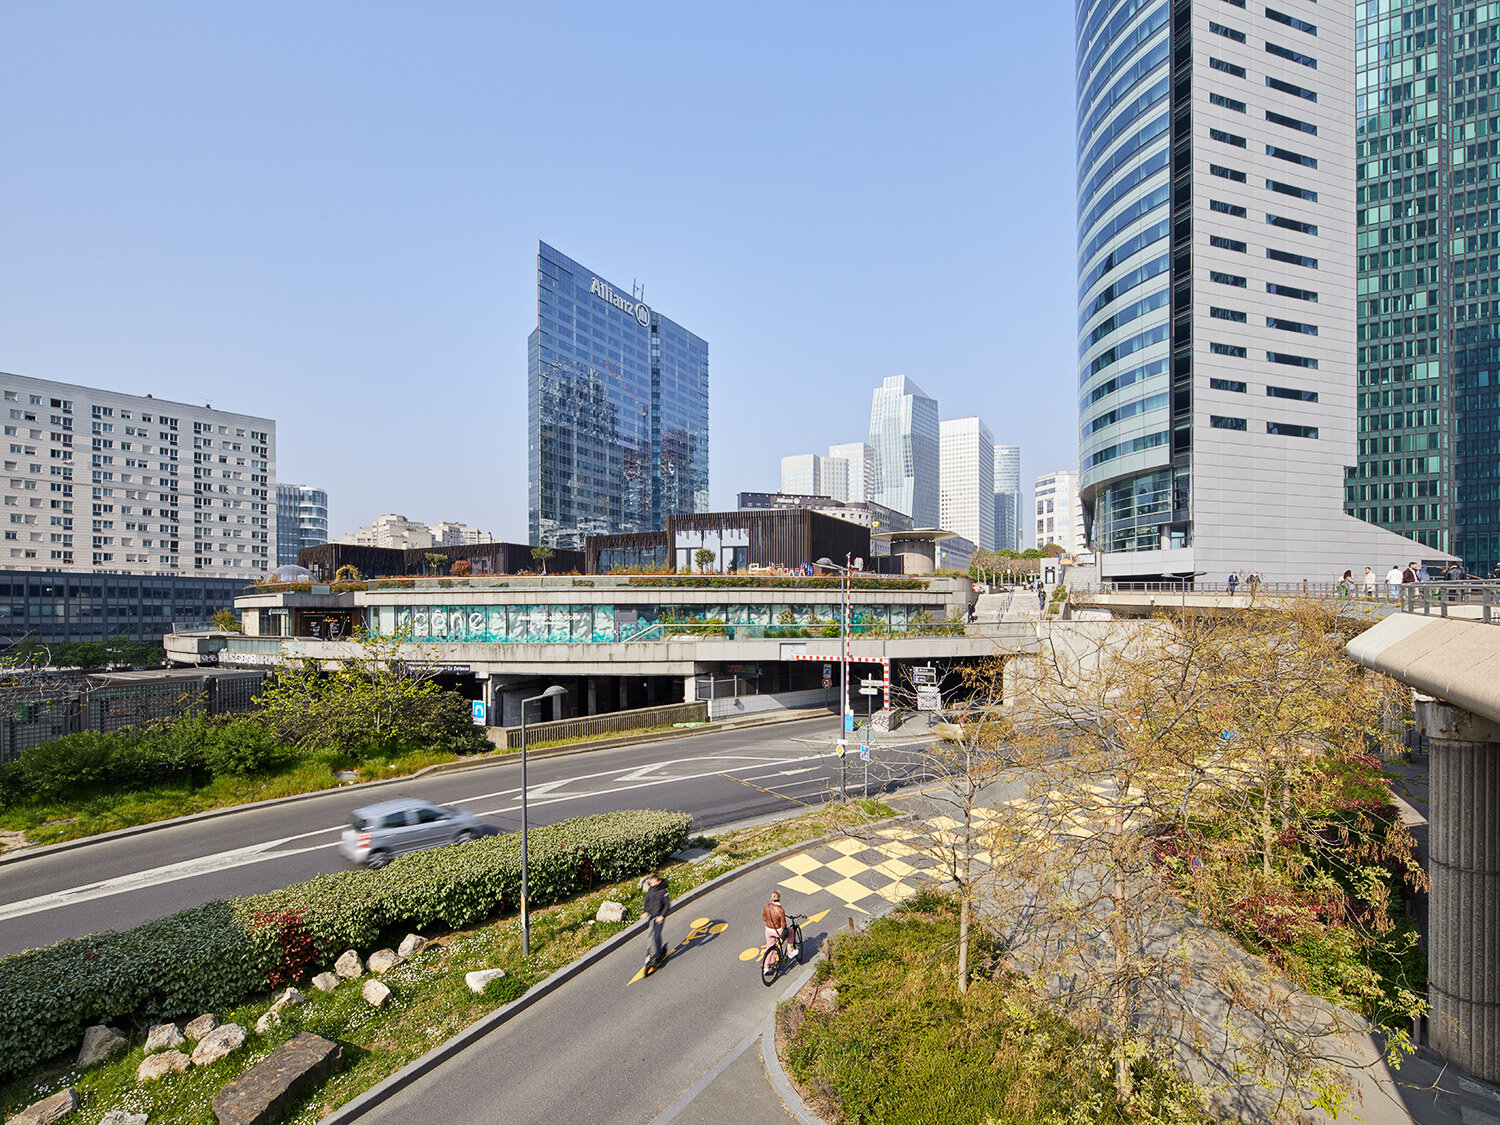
{"points": [[902, 1045], [430, 1000], [92, 812]]}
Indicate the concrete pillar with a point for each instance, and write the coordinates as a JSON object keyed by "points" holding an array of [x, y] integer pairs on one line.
{"points": [[491, 714], [624, 685], [690, 688], [650, 691], [1463, 990], [593, 696]]}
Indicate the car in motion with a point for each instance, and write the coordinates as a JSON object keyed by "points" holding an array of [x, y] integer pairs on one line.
{"points": [[378, 833]]}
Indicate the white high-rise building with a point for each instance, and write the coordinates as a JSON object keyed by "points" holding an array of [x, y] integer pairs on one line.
{"points": [[448, 534], [802, 474], [967, 480], [1059, 512], [1216, 290], [97, 480], [392, 530], [904, 438], [1007, 497], [857, 455]]}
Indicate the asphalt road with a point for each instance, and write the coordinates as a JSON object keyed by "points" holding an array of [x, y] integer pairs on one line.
{"points": [[718, 775]]}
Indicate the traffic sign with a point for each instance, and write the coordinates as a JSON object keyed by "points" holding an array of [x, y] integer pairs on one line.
{"points": [[476, 711], [929, 699], [827, 671], [869, 690], [864, 753], [827, 681], [839, 749], [872, 682], [925, 674]]}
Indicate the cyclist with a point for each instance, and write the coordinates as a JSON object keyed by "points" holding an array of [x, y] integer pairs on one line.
{"points": [[776, 924]]}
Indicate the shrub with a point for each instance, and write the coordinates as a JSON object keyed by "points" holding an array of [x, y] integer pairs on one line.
{"points": [[216, 955]]}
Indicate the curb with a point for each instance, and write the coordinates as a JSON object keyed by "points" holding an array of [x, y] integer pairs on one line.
{"points": [[441, 767], [351, 1110]]}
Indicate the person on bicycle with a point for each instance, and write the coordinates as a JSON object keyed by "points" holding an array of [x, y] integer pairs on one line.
{"points": [[776, 924]]}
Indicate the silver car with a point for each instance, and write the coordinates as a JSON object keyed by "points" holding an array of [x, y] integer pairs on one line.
{"points": [[378, 833]]}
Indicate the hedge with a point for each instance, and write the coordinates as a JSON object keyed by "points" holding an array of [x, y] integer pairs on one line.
{"points": [[776, 582], [214, 956]]}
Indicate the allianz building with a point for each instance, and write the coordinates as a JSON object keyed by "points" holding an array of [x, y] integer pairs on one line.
{"points": [[617, 410]]}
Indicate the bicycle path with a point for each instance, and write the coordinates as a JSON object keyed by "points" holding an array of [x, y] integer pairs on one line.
{"points": [[616, 1046]]}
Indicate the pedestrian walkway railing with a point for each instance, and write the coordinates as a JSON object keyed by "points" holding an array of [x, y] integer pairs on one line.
{"points": [[1471, 598], [1474, 600]]}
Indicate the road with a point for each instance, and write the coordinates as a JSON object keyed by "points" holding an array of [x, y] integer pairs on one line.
{"points": [[718, 775]]}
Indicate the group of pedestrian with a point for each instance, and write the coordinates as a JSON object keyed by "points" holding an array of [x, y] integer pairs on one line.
{"points": [[1252, 581], [658, 905]]}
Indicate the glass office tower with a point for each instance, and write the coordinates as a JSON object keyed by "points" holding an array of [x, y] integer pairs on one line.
{"points": [[301, 520], [1007, 497], [617, 410], [1429, 277], [904, 437], [1216, 288]]}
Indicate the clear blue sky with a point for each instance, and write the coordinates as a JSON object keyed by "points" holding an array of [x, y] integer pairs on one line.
{"points": [[328, 213]]}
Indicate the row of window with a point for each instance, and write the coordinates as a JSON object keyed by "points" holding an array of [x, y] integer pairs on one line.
{"points": [[1271, 115], [1238, 351], [1280, 429], [1284, 325], [1239, 386]]}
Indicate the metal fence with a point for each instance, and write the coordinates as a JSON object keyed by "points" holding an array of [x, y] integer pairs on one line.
{"points": [[1473, 601], [34, 714], [559, 730]]}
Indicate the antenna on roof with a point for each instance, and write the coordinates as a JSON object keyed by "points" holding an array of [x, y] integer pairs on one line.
{"points": [[637, 290]]}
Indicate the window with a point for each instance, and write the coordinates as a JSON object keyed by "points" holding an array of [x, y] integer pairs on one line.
{"points": [[1226, 423], [1226, 138], [1226, 208], [1290, 122], [1292, 189], [1291, 21], [1226, 67], [1294, 56], [1226, 385], [1289, 392], [1288, 88], [1292, 224], [1291, 360], [1226, 243], [1286, 429], [1291, 291], [1291, 157], [1226, 173], [1226, 279], [1228, 349], [1291, 259], [1227, 314], [1226, 32], [1226, 103], [1291, 326]]}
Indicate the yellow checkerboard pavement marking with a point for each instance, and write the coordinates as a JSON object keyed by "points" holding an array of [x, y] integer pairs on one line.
{"points": [[860, 870]]}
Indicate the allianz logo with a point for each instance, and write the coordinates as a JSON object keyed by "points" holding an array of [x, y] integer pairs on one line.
{"points": [[636, 309]]}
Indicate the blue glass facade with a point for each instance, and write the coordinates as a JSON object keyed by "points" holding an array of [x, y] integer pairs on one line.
{"points": [[1133, 456], [617, 410]]}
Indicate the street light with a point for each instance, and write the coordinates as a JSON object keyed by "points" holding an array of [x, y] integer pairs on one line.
{"points": [[844, 712], [551, 693]]}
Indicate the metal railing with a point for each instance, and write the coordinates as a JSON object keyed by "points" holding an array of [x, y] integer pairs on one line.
{"points": [[1475, 600], [1472, 598]]}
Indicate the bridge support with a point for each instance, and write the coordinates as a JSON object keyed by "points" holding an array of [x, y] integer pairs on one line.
{"points": [[1463, 990]]}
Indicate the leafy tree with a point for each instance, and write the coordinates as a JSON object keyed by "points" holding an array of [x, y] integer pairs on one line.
{"points": [[347, 573], [372, 705], [542, 554], [704, 557], [227, 621], [435, 562], [461, 569]]}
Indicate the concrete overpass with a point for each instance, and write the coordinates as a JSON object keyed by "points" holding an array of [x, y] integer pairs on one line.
{"points": [[1454, 666]]}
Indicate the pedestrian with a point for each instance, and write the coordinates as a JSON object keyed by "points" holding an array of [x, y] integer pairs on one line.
{"points": [[1369, 584], [1345, 583], [1041, 596], [1495, 572], [1455, 572], [1409, 575], [1234, 580], [1393, 581], [658, 903], [1422, 575]]}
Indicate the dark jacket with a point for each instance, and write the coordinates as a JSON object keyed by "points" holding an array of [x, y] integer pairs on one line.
{"points": [[657, 901]]}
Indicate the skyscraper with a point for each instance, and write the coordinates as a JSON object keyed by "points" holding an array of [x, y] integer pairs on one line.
{"points": [[1429, 280], [617, 410], [1216, 289], [301, 520], [856, 454], [802, 474], [966, 458], [904, 450], [1007, 497]]}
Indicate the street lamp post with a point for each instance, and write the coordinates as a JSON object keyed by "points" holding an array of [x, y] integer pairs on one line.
{"points": [[551, 693], [845, 714]]}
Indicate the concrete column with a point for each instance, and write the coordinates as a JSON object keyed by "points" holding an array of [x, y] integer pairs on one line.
{"points": [[690, 688], [651, 691], [593, 696], [624, 686], [1463, 990], [491, 714]]}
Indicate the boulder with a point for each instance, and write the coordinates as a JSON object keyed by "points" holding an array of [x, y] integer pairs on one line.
{"points": [[99, 1043], [163, 1037], [48, 1110], [290, 999], [268, 1022], [162, 1064], [217, 1043], [481, 977], [349, 965], [325, 982], [383, 961], [376, 992], [266, 1091], [198, 1028], [122, 1117], [410, 946], [610, 912]]}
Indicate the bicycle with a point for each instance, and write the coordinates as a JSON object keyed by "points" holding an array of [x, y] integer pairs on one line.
{"points": [[776, 958]]}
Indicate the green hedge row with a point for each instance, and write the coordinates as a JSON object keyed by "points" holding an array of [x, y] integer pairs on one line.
{"points": [[216, 955], [777, 582]]}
